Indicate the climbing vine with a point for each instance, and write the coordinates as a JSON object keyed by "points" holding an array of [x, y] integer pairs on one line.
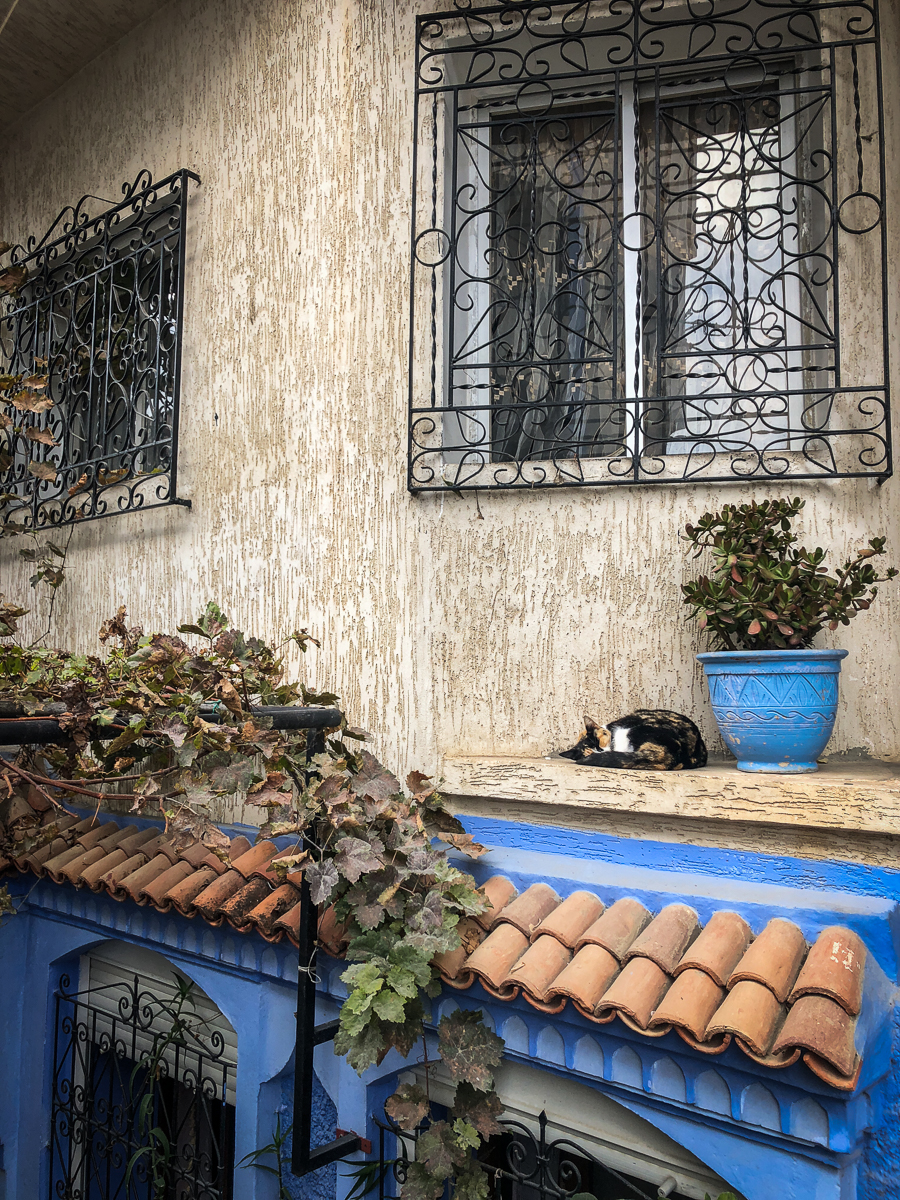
{"points": [[169, 723]]}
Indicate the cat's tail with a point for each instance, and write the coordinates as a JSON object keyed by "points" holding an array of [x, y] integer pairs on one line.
{"points": [[621, 759]]}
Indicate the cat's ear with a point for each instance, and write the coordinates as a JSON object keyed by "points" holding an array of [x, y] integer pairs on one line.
{"points": [[590, 724]]}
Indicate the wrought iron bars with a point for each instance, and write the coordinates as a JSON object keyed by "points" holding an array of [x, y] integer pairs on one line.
{"points": [[102, 306], [648, 244], [118, 1074]]}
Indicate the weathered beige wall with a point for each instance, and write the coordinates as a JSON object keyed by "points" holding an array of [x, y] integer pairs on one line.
{"points": [[445, 631]]}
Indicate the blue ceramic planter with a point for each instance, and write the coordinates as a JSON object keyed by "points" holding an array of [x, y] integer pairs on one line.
{"points": [[774, 708]]}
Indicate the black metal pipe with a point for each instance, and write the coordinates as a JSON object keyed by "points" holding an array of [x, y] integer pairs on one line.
{"points": [[22, 731]]}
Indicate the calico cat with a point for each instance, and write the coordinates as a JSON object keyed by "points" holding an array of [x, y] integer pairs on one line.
{"points": [[649, 739]]}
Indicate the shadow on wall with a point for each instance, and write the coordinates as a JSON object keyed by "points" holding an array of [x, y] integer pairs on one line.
{"points": [[321, 1184]]}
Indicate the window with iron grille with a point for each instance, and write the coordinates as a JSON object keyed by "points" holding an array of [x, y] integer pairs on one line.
{"points": [[100, 313], [648, 244]]}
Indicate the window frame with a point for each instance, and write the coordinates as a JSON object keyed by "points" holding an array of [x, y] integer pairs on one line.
{"points": [[103, 304], [450, 439]]}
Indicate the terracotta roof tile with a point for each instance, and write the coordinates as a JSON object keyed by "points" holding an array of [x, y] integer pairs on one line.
{"points": [[237, 908], [112, 878], [157, 891], [618, 927], [182, 895], [108, 844], [719, 948], [751, 1012], [834, 967], [134, 843], [570, 919], [209, 902], [536, 970], [53, 866], [528, 910], [666, 938], [492, 960], [89, 839], [819, 1024], [774, 958], [135, 883], [499, 892], [332, 933], [690, 1003], [636, 992], [586, 978], [92, 876], [73, 868], [827, 1073], [289, 923], [274, 905], [471, 936], [257, 857], [239, 845]]}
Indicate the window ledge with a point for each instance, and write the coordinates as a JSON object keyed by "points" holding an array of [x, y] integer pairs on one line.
{"points": [[861, 796]]}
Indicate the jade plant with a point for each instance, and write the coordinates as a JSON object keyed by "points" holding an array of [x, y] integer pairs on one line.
{"points": [[766, 591]]}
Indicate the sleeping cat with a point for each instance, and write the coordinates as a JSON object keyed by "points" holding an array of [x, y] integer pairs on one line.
{"points": [[649, 739]]}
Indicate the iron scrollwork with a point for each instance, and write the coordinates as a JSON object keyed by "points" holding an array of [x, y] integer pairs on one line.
{"points": [[648, 244], [100, 312], [108, 1042], [522, 1164]]}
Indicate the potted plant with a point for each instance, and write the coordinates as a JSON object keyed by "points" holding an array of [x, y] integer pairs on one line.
{"points": [[773, 696]]}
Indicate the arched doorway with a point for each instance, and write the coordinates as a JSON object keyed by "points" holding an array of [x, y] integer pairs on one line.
{"points": [[143, 1083]]}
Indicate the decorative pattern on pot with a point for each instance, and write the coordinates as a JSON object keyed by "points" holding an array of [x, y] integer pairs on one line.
{"points": [[775, 708]]}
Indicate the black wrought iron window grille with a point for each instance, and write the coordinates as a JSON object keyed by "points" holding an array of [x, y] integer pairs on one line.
{"points": [[524, 1163], [100, 314], [648, 244], [137, 1112]]}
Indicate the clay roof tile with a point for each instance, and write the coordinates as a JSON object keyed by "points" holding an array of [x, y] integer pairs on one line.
{"points": [[586, 978], [53, 866], [181, 895], [134, 843], [73, 868], [76, 829], [115, 839], [774, 958], [157, 890], [289, 923], [690, 1003], [617, 928], [539, 966], [666, 938], [491, 962], [89, 839], [528, 910], [332, 934], [92, 875], [568, 921], [826, 1072], [636, 992], [752, 1013], [239, 845], [194, 854], [450, 963], [257, 857], [719, 947], [499, 892], [834, 967], [111, 878], [209, 902], [819, 1024], [237, 908], [274, 905], [784, 1058], [135, 883]]}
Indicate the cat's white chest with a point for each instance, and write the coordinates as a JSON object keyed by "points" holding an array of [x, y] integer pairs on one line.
{"points": [[620, 741]]}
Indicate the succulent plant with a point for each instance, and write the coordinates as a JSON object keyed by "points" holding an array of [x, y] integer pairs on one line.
{"points": [[766, 592]]}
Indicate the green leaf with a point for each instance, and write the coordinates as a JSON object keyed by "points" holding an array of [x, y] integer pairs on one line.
{"points": [[408, 1107], [469, 1049]]}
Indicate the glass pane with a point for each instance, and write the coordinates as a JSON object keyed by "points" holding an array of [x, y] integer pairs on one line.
{"points": [[555, 314]]}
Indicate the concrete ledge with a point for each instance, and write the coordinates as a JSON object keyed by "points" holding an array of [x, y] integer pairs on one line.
{"points": [[859, 797]]}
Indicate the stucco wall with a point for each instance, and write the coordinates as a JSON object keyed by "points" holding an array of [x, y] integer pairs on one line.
{"points": [[445, 629]]}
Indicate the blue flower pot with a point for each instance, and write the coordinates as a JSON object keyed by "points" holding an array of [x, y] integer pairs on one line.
{"points": [[774, 708]]}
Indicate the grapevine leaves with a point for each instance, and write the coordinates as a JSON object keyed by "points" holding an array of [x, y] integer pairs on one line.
{"points": [[469, 1049], [408, 1106]]}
